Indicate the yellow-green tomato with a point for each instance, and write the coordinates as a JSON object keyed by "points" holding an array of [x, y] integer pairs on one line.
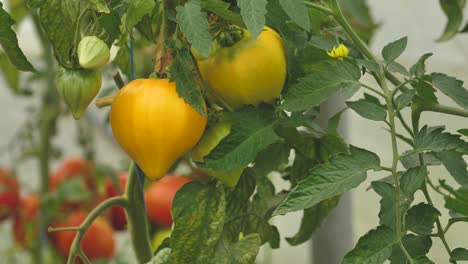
{"points": [[93, 53], [248, 73], [211, 138], [159, 237], [154, 125]]}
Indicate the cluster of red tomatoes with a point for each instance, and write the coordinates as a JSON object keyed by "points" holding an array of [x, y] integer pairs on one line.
{"points": [[99, 240]]}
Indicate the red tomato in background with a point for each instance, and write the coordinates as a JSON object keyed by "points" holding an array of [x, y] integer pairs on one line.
{"points": [[159, 196], [74, 167], [25, 220], [97, 243], [117, 216], [9, 194]]}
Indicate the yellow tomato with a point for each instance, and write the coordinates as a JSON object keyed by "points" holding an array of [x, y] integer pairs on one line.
{"points": [[250, 72], [154, 125], [159, 237]]}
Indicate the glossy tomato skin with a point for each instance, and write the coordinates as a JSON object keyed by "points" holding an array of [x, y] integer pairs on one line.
{"points": [[25, 221], [117, 216], [9, 194], [248, 73], [154, 125], [159, 196], [97, 243]]}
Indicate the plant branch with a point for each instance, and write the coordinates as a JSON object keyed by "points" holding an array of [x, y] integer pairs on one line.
{"points": [[105, 101], [320, 7], [444, 109], [372, 89]]}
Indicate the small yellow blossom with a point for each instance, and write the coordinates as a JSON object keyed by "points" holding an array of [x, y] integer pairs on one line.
{"points": [[340, 52]]}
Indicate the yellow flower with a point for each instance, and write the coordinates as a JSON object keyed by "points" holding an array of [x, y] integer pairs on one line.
{"points": [[340, 52]]}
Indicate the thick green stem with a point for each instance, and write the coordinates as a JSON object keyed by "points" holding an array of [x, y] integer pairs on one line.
{"points": [[136, 218], [444, 109]]}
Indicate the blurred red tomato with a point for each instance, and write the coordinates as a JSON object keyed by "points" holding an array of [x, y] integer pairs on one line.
{"points": [[97, 243], [73, 167], [25, 220], [159, 196], [9, 194], [117, 216]]}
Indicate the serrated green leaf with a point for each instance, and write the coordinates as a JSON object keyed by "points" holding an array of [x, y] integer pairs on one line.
{"points": [[183, 73], [162, 257], [419, 68], [373, 248], [111, 24], [135, 11], [417, 247], [193, 23], [455, 165], [251, 132], [412, 160], [10, 73], [387, 203], [297, 11], [459, 254], [100, 6], [221, 9], [370, 65], [368, 110], [312, 219], [434, 139], [398, 68], [329, 145], [243, 251], [453, 10], [319, 85], [458, 201], [9, 43], [404, 99], [253, 13], [394, 49], [199, 212], [425, 89], [412, 179], [452, 87], [343, 173], [420, 218]]}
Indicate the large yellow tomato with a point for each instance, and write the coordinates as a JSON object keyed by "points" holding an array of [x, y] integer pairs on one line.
{"points": [[250, 72], [154, 125]]}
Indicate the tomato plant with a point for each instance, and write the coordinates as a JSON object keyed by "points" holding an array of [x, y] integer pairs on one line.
{"points": [[233, 91]]}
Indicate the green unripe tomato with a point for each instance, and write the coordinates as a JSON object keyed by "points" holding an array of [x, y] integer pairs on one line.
{"points": [[93, 53], [78, 88], [159, 237]]}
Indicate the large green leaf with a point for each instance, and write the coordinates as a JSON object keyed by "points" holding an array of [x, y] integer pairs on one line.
{"points": [[297, 11], [312, 219], [135, 11], [368, 110], [457, 201], [412, 179], [243, 251], [387, 203], [453, 10], [452, 87], [417, 247], [9, 42], [373, 248], [459, 254], [455, 165], [193, 23], [251, 132], [394, 49], [342, 173], [183, 72], [162, 257], [199, 213], [319, 85], [404, 99], [434, 139], [420, 218], [253, 14]]}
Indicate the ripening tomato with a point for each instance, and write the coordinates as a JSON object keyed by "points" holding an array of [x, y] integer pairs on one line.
{"points": [[74, 167], [25, 221], [9, 194], [117, 215], [249, 72], [97, 243], [154, 125], [159, 196]]}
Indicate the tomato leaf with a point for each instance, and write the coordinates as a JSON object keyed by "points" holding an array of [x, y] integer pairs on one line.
{"points": [[452, 87], [453, 10], [388, 203], [457, 201], [135, 11], [368, 110], [198, 211], [412, 179], [420, 218], [394, 49], [319, 85], [312, 219], [342, 173], [162, 257], [243, 251], [193, 23], [404, 99], [183, 73], [459, 254], [10, 73], [298, 12], [9, 43], [455, 165], [221, 9], [251, 132], [419, 68], [417, 247], [253, 13], [373, 247], [100, 6], [434, 139]]}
